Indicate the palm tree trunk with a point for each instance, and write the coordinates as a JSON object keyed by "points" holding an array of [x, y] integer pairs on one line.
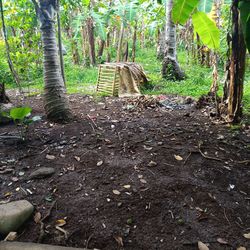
{"points": [[60, 46], [55, 101], [170, 65]]}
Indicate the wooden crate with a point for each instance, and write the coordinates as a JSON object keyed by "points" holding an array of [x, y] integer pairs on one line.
{"points": [[108, 80]]}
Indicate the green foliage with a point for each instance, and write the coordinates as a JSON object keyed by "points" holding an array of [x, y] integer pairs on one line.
{"points": [[23, 38], [5, 75], [182, 10], [20, 113], [205, 6], [247, 34], [207, 30], [244, 7]]}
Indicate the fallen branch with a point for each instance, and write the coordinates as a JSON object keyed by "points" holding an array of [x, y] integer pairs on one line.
{"points": [[208, 157], [42, 231]]}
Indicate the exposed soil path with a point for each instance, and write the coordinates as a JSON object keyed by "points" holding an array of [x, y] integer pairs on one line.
{"points": [[145, 178]]}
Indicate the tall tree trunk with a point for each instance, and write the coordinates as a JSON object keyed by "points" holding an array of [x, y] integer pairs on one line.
{"points": [[10, 63], [55, 101], [170, 65], [119, 50], [60, 45], [215, 58], [237, 67], [85, 46], [162, 43], [108, 47], [91, 37], [101, 48], [134, 43], [125, 56]]}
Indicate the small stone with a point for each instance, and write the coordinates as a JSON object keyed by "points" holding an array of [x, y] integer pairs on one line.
{"points": [[42, 173], [13, 215], [50, 157], [152, 164]]}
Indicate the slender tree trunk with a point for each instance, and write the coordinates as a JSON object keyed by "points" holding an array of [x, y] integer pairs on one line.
{"points": [[10, 63], [60, 45], [162, 43], [125, 56], [85, 46], [237, 68], [101, 48], [91, 37], [134, 43], [55, 101], [3, 97], [170, 65], [119, 50], [215, 58], [108, 47]]}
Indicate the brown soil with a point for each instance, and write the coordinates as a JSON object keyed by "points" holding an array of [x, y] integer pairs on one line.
{"points": [[171, 203]]}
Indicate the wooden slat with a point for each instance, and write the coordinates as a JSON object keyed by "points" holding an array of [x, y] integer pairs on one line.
{"points": [[108, 80], [105, 83]]}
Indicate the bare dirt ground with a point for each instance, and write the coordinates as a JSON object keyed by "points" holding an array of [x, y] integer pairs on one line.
{"points": [[131, 176]]}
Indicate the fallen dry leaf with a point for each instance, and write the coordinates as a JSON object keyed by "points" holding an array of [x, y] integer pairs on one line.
{"points": [[127, 186], [241, 248], [119, 240], [143, 181], [116, 192], [11, 236], [178, 158], [221, 241], [50, 157], [202, 246], [99, 163], [77, 158], [37, 217], [60, 223], [247, 236]]}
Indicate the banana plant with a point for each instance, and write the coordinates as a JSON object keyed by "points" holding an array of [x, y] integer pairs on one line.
{"points": [[203, 25]]}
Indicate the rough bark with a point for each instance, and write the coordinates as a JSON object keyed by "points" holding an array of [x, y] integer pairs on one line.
{"points": [[170, 66], [101, 48], [119, 50], [161, 44], [125, 55], [3, 97], [108, 48], [55, 101], [134, 43], [91, 37], [60, 45], [85, 46], [237, 68]]}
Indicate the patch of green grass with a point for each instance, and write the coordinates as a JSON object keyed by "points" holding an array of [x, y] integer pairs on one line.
{"points": [[80, 79]]}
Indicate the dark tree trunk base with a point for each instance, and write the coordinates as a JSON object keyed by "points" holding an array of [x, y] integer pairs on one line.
{"points": [[171, 70], [3, 97]]}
